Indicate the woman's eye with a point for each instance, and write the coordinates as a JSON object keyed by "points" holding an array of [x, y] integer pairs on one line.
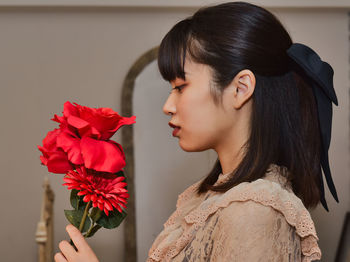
{"points": [[179, 88]]}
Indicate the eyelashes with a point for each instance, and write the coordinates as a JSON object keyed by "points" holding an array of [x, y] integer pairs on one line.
{"points": [[179, 88]]}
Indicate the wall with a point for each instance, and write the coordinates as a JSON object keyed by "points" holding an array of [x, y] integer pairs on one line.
{"points": [[51, 55]]}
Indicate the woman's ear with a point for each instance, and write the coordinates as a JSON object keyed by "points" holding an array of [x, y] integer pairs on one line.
{"points": [[243, 87]]}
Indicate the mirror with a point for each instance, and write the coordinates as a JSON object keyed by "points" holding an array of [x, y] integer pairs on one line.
{"points": [[157, 170]]}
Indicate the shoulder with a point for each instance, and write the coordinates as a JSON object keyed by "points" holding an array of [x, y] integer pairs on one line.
{"points": [[249, 211], [271, 197], [248, 231], [267, 207], [252, 219]]}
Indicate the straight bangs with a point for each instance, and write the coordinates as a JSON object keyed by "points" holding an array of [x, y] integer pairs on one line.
{"points": [[172, 51]]}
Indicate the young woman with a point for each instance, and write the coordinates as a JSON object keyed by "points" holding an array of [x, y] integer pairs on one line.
{"points": [[240, 86]]}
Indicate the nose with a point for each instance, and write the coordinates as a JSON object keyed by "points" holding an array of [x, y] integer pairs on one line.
{"points": [[169, 107]]}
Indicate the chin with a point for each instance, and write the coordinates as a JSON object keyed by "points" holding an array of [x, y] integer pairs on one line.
{"points": [[191, 147]]}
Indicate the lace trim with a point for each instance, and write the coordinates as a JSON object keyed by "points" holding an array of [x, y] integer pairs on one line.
{"points": [[268, 191]]}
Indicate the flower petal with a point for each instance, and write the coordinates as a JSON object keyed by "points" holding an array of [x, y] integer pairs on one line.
{"points": [[124, 121], [77, 122], [59, 119], [83, 127], [49, 142], [58, 163], [99, 188], [69, 110], [70, 145], [104, 156], [105, 120], [86, 198], [119, 209]]}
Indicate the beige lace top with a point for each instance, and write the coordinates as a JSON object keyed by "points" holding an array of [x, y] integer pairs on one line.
{"points": [[258, 221]]}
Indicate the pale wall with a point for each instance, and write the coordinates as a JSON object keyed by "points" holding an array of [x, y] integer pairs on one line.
{"points": [[49, 56]]}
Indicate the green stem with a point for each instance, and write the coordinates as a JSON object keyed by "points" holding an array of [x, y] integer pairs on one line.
{"points": [[89, 231], [95, 218], [86, 211]]}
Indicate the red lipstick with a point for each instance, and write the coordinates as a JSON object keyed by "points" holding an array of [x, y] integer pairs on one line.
{"points": [[176, 128]]}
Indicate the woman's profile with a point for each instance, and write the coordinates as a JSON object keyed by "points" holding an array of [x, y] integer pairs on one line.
{"points": [[241, 87]]}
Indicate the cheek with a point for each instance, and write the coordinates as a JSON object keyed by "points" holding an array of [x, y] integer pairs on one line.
{"points": [[195, 113], [200, 125], [197, 137]]}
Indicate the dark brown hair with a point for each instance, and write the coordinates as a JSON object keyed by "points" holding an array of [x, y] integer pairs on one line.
{"points": [[284, 127]]}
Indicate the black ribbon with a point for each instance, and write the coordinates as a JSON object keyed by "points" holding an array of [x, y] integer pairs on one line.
{"points": [[321, 76]]}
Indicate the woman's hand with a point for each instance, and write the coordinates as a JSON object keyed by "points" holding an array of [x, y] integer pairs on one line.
{"points": [[69, 254]]}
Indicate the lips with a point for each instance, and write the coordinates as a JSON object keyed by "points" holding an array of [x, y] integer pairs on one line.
{"points": [[176, 128], [172, 125]]}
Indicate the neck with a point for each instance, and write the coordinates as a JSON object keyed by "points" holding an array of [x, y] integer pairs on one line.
{"points": [[231, 151], [230, 159]]}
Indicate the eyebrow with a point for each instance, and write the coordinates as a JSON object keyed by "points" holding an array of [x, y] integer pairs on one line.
{"points": [[179, 79]]}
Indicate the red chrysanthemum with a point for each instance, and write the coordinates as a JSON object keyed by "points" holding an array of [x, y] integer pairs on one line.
{"points": [[104, 190]]}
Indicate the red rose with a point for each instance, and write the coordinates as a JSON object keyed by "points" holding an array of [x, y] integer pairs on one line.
{"points": [[85, 134], [54, 157], [99, 123]]}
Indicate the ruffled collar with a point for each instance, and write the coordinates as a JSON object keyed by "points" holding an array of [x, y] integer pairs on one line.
{"points": [[192, 211], [274, 173]]}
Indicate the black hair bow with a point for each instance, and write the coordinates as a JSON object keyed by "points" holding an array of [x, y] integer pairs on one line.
{"points": [[321, 76]]}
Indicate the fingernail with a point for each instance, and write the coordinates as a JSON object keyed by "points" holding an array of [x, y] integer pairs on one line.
{"points": [[68, 227]]}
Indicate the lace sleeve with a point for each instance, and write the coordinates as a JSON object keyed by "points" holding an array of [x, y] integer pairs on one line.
{"points": [[249, 231]]}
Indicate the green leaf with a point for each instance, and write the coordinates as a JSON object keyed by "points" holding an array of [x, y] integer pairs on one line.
{"points": [[120, 173], [95, 214], [112, 220], [77, 201], [82, 204], [75, 217], [74, 198], [93, 230]]}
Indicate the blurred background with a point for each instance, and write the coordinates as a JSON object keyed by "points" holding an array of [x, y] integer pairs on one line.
{"points": [[80, 51]]}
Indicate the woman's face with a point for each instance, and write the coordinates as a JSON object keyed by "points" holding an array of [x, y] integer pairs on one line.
{"points": [[203, 125]]}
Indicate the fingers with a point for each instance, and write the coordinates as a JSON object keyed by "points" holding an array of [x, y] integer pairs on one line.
{"points": [[77, 238], [67, 250], [59, 258], [69, 254]]}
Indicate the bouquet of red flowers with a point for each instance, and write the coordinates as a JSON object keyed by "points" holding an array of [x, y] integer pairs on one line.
{"points": [[92, 163]]}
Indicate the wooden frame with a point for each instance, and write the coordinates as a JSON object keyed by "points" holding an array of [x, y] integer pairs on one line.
{"points": [[128, 146], [343, 252]]}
